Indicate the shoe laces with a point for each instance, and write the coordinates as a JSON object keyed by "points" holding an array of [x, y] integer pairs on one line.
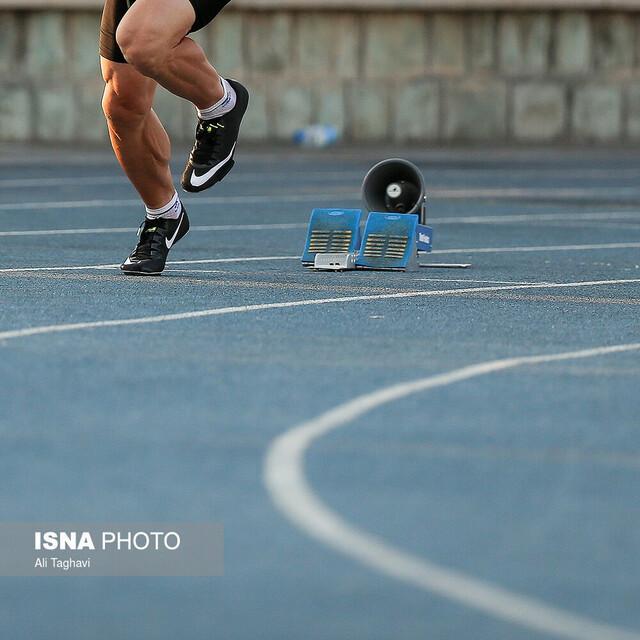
{"points": [[209, 138], [151, 235]]}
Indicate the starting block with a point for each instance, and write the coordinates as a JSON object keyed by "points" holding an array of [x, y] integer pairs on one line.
{"points": [[332, 231], [390, 241]]}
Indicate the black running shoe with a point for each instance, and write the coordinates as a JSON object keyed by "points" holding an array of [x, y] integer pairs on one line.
{"points": [[212, 155], [155, 238]]}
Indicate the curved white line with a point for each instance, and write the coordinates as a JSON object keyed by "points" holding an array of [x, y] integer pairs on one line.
{"points": [[172, 317], [287, 485]]}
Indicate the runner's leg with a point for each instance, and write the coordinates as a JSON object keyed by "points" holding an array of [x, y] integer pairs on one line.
{"points": [[158, 48], [138, 138]]}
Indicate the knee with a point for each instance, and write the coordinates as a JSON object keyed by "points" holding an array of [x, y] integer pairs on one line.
{"points": [[124, 108], [142, 49]]}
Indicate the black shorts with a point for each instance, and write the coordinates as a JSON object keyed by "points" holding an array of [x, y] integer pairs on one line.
{"points": [[114, 10]]}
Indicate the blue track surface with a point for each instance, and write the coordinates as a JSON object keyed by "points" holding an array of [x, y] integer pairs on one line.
{"points": [[526, 478]]}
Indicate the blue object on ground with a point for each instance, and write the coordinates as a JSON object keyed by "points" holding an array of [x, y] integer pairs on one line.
{"points": [[332, 231], [389, 241], [316, 135]]}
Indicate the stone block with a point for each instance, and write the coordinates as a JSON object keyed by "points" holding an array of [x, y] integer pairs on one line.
{"points": [[613, 41], [169, 109], [368, 111], [269, 40], [9, 38], [524, 43], [227, 35], [597, 113], [448, 54], [15, 114], [91, 125], [55, 114], [256, 125], [293, 110], [475, 109], [633, 109], [84, 60], [327, 44], [189, 119], [539, 111], [573, 42], [329, 105], [417, 111], [482, 38], [46, 45], [395, 45]]}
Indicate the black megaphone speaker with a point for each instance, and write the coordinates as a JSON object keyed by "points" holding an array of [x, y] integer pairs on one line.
{"points": [[395, 186]]}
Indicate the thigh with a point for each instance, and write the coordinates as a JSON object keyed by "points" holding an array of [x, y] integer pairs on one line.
{"points": [[161, 22]]}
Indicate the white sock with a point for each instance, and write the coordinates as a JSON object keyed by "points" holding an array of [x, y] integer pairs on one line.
{"points": [[224, 105], [170, 210]]}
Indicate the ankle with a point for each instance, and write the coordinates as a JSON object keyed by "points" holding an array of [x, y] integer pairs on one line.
{"points": [[222, 106], [170, 209]]}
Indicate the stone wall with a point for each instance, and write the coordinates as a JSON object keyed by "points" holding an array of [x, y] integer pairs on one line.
{"points": [[464, 76]]}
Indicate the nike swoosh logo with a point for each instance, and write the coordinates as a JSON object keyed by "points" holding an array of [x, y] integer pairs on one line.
{"points": [[169, 241], [198, 181]]}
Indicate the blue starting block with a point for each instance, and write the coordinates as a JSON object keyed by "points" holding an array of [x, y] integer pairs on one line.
{"points": [[390, 240], [335, 231]]}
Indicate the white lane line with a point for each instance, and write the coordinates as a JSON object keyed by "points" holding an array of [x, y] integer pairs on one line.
{"points": [[472, 281], [290, 491], [67, 232], [350, 174], [525, 249], [435, 193], [249, 199], [103, 230], [83, 181], [97, 267], [538, 217], [100, 267], [453, 220], [560, 193], [172, 317], [564, 247], [230, 260], [558, 247]]}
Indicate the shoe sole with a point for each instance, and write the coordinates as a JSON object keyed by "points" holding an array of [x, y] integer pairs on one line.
{"points": [[141, 273], [222, 172]]}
